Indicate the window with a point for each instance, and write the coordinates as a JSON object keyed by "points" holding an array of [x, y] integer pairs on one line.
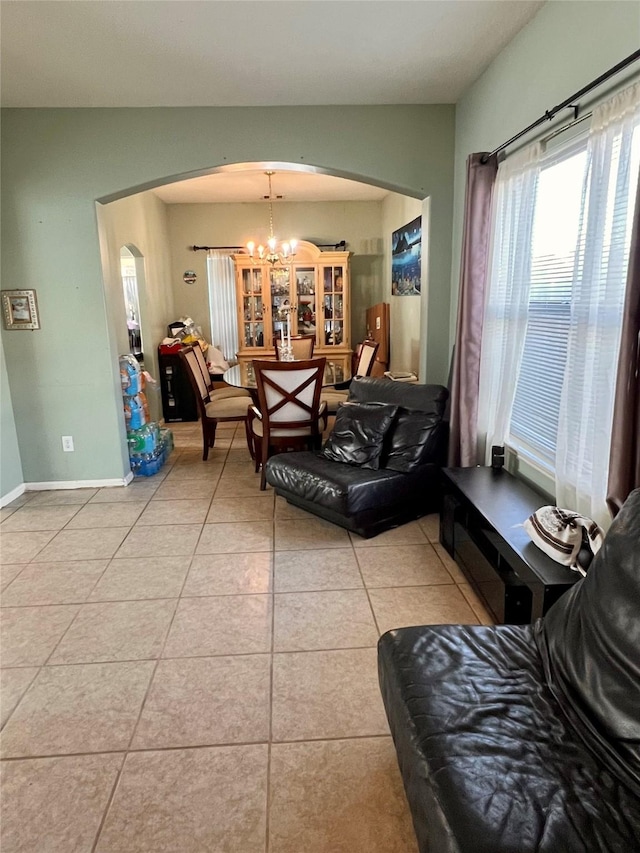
{"points": [[556, 220], [562, 224], [222, 303]]}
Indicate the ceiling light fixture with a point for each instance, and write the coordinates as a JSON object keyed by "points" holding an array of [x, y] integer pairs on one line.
{"points": [[271, 253]]}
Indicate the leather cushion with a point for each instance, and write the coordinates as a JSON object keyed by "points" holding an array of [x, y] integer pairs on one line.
{"points": [[590, 643], [489, 761], [357, 437], [345, 489], [411, 440], [431, 399]]}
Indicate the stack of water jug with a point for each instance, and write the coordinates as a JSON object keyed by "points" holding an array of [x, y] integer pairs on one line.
{"points": [[149, 446]]}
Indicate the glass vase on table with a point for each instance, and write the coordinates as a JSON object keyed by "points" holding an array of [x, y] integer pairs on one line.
{"points": [[286, 350]]}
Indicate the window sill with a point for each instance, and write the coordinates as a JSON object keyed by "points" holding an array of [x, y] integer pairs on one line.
{"points": [[531, 469]]}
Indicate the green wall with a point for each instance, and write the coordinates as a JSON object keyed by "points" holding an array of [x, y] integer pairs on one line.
{"points": [[140, 223], [57, 162], [406, 313]]}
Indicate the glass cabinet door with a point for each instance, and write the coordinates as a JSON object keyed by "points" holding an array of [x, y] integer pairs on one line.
{"points": [[280, 285], [252, 308], [333, 296], [305, 298]]}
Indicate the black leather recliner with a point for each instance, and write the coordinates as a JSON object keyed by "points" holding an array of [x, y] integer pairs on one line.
{"points": [[363, 500], [517, 739]]}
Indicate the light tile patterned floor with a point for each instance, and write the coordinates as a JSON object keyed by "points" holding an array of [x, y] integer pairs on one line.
{"points": [[189, 664]]}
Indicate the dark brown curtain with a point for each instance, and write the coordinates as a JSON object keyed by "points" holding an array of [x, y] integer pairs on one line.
{"points": [[465, 373], [624, 460]]}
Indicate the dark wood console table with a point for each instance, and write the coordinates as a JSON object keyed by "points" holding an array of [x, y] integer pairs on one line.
{"points": [[481, 527]]}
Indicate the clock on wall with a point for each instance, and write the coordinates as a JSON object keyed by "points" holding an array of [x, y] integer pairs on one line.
{"points": [[189, 277]]}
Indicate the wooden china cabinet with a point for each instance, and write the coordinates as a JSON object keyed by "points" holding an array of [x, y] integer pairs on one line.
{"points": [[316, 284]]}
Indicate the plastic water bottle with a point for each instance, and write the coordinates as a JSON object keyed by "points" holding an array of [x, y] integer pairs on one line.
{"points": [[134, 412], [130, 375]]}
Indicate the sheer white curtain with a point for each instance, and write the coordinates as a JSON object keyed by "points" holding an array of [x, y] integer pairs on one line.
{"points": [[600, 273], [222, 303], [505, 318]]}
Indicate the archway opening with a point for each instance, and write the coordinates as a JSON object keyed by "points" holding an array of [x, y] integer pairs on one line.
{"points": [[167, 232]]}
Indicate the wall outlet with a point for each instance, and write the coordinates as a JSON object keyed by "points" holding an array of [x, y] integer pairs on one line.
{"points": [[67, 443]]}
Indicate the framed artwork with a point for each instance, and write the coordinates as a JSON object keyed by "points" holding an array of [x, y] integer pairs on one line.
{"points": [[406, 253], [20, 309]]}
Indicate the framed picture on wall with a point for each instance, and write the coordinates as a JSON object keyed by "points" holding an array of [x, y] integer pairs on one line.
{"points": [[406, 253], [20, 309]]}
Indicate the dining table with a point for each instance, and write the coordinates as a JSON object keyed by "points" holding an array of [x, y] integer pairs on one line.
{"points": [[242, 375]]}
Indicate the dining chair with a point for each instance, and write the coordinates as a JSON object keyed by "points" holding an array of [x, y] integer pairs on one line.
{"points": [[289, 412], [340, 392], [355, 358], [301, 345], [211, 411], [215, 393]]}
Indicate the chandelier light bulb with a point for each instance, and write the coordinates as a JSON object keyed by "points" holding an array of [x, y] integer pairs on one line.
{"points": [[271, 253]]}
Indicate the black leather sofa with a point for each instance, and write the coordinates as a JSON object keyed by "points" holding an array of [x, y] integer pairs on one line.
{"points": [[364, 500], [517, 739]]}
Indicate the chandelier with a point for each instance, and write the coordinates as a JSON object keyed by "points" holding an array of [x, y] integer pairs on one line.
{"points": [[272, 253]]}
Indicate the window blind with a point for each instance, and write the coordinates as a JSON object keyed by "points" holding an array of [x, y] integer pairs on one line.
{"points": [[553, 252]]}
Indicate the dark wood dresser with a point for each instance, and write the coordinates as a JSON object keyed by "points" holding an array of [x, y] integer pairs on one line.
{"points": [[481, 527]]}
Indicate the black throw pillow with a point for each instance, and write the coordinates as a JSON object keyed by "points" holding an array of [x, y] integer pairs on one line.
{"points": [[357, 437], [411, 441]]}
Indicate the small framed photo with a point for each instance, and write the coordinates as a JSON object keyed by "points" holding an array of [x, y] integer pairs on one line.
{"points": [[20, 309]]}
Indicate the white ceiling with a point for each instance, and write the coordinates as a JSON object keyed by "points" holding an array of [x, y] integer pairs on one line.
{"points": [[252, 185], [138, 53]]}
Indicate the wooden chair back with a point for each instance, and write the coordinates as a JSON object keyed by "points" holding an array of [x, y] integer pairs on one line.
{"points": [[198, 383], [289, 393], [202, 364], [302, 346], [366, 358]]}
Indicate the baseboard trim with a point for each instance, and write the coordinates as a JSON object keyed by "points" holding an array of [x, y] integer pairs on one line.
{"points": [[77, 484], [12, 495]]}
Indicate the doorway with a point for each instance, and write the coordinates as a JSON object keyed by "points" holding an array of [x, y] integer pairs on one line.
{"points": [[129, 265]]}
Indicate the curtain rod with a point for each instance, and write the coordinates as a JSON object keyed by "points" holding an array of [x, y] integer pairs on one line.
{"points": [[567, 103], [210, 248], [341, 245]]}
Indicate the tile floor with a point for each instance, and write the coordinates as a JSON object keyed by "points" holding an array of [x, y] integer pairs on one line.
{"points": [[189, 665]]}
